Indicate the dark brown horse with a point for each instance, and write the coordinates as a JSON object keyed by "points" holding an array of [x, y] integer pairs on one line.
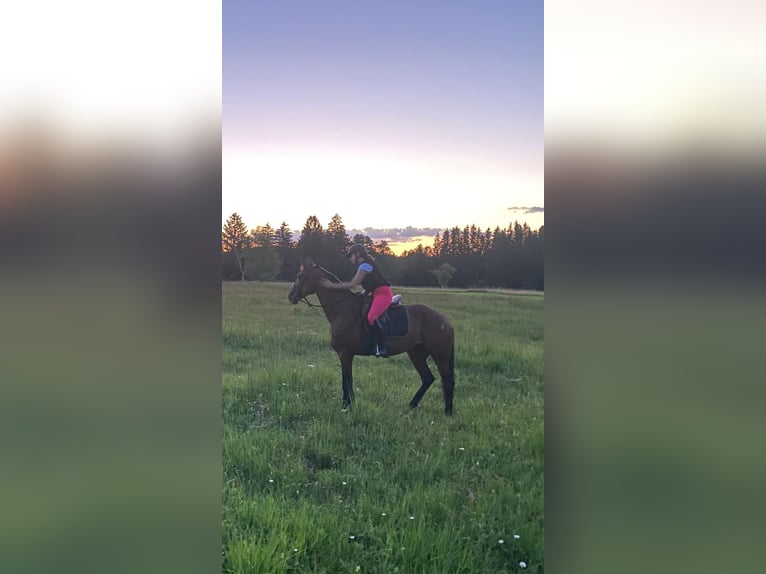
{"points": [[429, 334]]}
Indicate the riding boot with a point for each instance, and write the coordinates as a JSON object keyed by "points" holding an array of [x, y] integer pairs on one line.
{"points": [[381, 350]]}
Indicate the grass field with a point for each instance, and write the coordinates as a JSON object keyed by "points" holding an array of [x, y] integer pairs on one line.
{"points": [[381, 488]]}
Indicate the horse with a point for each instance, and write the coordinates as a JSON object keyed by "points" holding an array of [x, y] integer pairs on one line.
{"points": [[429, 334]]}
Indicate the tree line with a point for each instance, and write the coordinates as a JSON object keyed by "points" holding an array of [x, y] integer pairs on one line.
{"points": [[511, 257]]}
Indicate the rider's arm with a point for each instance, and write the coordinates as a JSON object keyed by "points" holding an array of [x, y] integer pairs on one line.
{"points": [[356, 280]]}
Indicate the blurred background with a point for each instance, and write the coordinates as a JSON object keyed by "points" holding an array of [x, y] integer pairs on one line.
{"points": [[110, 181], [110, 177], [654, 176]]}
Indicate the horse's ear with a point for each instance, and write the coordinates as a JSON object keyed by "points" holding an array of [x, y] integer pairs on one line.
{"points": [[308, 262]]}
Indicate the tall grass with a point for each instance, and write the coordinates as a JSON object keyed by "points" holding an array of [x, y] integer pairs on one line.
{"points": [[381, 488]]}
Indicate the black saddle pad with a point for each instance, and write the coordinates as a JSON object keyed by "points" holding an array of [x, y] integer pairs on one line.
{"points": [[394, 321]]}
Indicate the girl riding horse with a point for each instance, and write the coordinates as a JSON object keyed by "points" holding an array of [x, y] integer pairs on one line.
{"points": [[372, 280]]}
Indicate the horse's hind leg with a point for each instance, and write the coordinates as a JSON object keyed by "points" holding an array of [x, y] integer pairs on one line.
{"points": [[346, 362], [418, 356], [446, 366]]}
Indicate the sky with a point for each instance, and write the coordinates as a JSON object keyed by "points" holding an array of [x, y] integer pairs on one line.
{"points": [[400, 115]]}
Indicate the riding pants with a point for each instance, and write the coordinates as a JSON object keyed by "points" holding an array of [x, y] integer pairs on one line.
{"points": [[381, 300]]}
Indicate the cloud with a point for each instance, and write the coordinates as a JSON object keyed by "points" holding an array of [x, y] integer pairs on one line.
{"points": [[396, 233], [527, 209]]}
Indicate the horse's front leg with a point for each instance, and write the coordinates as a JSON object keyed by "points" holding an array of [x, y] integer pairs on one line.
{"points": [[346, 361]]}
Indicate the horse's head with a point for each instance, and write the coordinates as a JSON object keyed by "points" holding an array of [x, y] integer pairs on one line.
{"points": [[306, 282]]}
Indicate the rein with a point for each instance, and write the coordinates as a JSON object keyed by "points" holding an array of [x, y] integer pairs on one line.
{"points": [[310, 304]]}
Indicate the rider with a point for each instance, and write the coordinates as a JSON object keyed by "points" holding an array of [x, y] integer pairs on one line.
{"points": [[368, 275]]}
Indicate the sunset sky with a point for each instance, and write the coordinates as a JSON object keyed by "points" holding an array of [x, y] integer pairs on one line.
{"points": [[421, 115]]}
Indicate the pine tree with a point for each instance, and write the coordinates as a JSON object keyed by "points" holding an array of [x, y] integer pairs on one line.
{"points": [[526, 232], [457, 242], [446, 244], [263, 236], [474, 241], [283, 236], [518, 234], [466, 241], [337, 238], [487, 242], [437, 248], [234, 234], [234, 238], [312, 241]]}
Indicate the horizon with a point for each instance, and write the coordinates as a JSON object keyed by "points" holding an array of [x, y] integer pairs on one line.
{"points": [[396, 115], [398, 239]]}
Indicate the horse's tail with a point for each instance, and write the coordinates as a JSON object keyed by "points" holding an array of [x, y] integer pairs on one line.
{"points": [[448, 382], [452, 362]]}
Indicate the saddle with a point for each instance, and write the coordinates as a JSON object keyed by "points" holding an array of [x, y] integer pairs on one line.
{"points": [[394, 320]]}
